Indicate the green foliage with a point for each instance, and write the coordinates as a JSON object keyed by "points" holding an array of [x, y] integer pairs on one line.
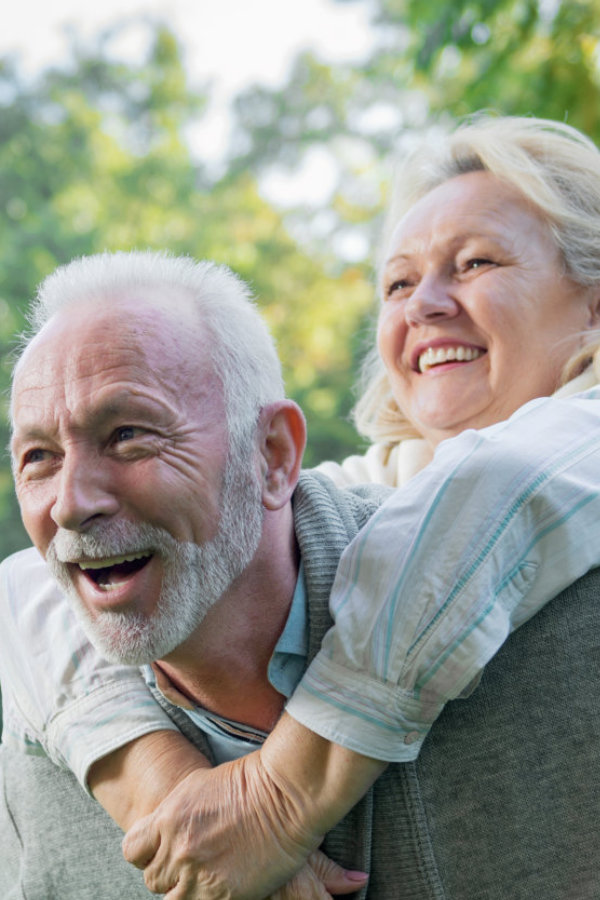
{"points": [[514, 56], [430, 63], [94, 158]]}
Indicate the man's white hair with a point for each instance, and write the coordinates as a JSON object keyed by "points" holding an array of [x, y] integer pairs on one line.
{"points": [[242, 350]]}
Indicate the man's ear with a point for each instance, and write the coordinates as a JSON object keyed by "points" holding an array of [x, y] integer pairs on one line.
{"points": [[282, 438]]}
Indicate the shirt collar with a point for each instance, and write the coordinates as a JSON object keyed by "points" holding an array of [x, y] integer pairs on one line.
{"points": [[286, 666]]}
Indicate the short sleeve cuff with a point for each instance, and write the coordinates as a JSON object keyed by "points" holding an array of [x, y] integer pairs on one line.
{"points": [[102, 721], [362, 714]]}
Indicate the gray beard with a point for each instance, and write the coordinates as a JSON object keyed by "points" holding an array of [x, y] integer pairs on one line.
{"points": [[195, 576]]}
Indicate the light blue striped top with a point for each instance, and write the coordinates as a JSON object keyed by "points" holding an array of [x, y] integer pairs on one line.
{"points": [[500, 522]]}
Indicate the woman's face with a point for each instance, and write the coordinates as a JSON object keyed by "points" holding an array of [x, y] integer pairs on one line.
{"points": [[478, 316]]}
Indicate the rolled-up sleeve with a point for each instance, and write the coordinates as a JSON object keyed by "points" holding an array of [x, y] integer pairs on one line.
{"points": [[59, 696], [500, 522]]}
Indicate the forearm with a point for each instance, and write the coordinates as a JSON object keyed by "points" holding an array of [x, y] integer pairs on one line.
{"points": [[131, 781], [321, 779], [246, 827], [493, 529], [58, 691]]}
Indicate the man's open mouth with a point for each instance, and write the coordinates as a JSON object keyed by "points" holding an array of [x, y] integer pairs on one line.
{"points": [[112, 571]]}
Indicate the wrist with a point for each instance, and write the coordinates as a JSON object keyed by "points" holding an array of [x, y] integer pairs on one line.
{"points": [[324, 780], [130, 782]]}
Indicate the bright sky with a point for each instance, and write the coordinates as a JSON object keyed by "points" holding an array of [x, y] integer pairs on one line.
{"points": [[232, 42], [228, 43]]}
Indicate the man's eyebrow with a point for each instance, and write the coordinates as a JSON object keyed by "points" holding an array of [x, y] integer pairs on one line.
{"points": [[123, 405], [396, 257], [27, 433], [113, 408]]}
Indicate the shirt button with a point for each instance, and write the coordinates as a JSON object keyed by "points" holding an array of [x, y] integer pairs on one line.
{"points": [[411, 737]]}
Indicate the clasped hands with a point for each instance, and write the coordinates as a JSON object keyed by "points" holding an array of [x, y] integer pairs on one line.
{"points": [[237, 832]]}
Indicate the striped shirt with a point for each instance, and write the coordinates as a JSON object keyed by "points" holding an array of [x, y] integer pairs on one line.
{"points": [[500, 522], [62, 700]]}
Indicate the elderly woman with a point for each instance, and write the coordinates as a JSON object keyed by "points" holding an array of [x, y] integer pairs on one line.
{"points": [[490, 297], [490, 294], [531, 194]]}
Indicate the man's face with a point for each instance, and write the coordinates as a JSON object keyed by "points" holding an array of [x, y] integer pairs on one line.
{"points": [[120, 450]]}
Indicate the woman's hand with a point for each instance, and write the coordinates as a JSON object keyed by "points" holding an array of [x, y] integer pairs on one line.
{"points": [[234, 833]]}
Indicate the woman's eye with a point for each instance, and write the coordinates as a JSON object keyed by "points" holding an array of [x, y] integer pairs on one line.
{"points": [[399, 285], [479, 262]]}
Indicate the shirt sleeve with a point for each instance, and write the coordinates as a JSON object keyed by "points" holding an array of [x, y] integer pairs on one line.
{"points": [[59, 696], [498, 524]]}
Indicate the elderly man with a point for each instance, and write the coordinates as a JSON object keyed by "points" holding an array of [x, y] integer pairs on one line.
{"points": [[156, 459]]}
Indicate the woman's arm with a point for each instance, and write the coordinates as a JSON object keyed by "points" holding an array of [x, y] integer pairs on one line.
{"points": [[131, 782], [58, 693], [100, 719], [247, 827], [499, 524]]}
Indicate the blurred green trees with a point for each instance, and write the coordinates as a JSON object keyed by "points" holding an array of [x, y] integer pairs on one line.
{"points": [[94, 156]]}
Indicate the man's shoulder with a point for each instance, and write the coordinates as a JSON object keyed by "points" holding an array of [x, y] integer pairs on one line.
{"points": [[365, 498], [321, 504], [326, 519]]}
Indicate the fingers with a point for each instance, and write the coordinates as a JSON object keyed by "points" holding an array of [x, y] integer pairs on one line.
{"points": [[319, 880], [336, 879], [164, 872], [170, 875], [141, 843], [304, 886]]}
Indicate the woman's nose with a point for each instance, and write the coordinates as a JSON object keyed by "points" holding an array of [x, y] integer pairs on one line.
{"points": [[431, 299]]}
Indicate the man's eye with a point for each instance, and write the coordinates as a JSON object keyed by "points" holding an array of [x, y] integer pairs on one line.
{"points": [[35, 456], [126, 433]]}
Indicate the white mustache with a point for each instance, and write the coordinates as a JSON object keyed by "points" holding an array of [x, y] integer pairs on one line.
{"points": [[108, 539]]}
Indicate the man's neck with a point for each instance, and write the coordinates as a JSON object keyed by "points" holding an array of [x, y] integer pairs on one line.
{"points": [[223, 666]]}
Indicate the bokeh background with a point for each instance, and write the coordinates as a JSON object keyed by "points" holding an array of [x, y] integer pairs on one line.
{"points": [[261, 135]]}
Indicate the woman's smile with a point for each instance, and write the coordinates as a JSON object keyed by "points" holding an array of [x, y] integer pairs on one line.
{"points": [[478, 315], [442, 354]]}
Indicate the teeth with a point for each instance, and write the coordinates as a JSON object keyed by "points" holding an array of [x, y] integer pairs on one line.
{"points": [[110, 561], [435, 356]]}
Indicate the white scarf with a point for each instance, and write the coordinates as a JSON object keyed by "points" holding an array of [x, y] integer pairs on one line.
{"points": [[395, 464]]}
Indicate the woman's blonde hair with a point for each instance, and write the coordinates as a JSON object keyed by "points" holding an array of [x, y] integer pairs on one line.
{"points": [[554, 166]]}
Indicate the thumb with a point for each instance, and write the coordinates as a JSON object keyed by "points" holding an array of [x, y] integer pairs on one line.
{"points": [[141, 842], [336, 879]]}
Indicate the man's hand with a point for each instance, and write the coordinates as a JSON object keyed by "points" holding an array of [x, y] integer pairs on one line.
{"points": [[234, 833]]}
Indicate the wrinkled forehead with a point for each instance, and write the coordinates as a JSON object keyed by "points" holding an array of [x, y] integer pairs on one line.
{"points": [[137, 337]]}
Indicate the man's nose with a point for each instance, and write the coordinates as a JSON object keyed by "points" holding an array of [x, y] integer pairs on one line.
{"points": [[431, 299], [84, 492]]}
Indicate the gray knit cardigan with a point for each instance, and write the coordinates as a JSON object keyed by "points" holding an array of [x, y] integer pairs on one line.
{"points": [[502, 803]]}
